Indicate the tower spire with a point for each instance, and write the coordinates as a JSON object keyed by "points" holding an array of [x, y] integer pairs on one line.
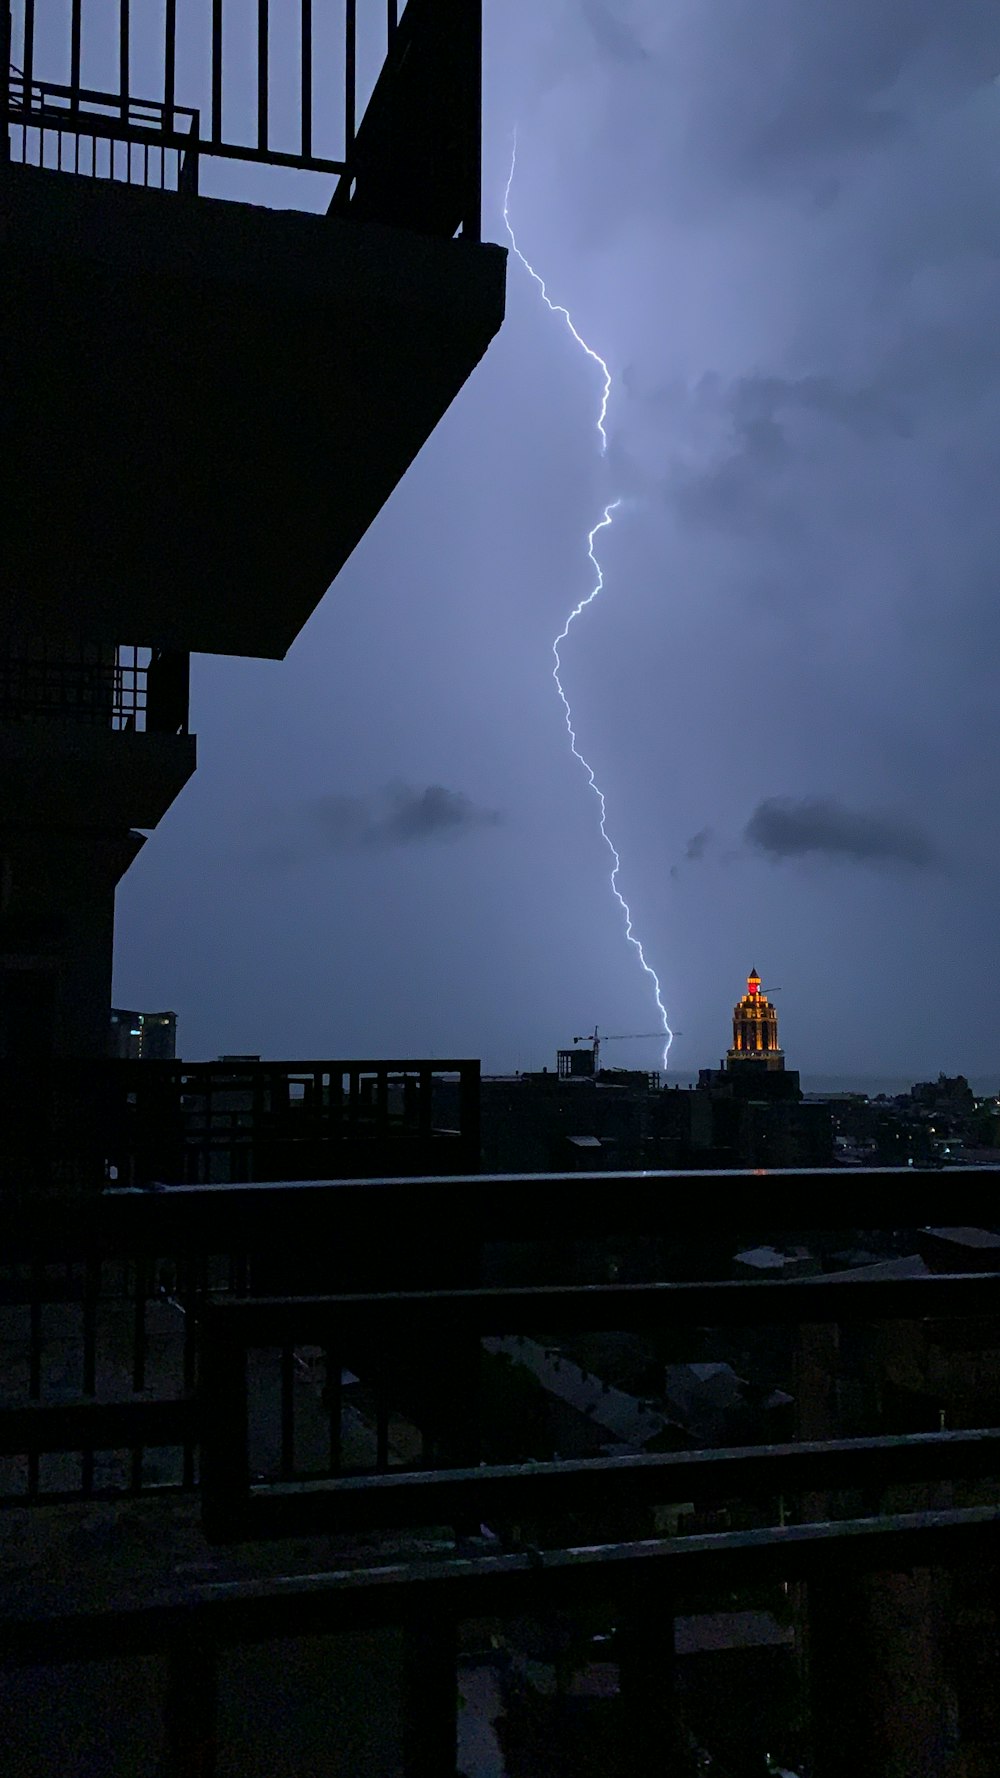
{"points": [[755, 1029]]}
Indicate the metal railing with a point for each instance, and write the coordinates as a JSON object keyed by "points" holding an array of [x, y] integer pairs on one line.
{"points": [[135, 1122], [407, 146], [839, 1518], [125, 688], [828, 1512], [136, 1273], [82, 130], [645, 1584], [425, 1325]]}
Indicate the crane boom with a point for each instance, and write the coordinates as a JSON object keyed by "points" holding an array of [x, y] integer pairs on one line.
{"points": [[595, 1038]]}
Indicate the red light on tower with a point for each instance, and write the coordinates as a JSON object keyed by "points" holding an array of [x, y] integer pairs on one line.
{"points": [[753, 982]]}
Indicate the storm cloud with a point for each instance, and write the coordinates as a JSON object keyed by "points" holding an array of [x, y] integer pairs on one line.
{"points": [[611, 34], [782, 827], [399, 815], [698, 844]]}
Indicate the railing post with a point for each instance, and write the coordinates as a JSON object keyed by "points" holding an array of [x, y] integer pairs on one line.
{"points": [[191, 1710], [650, 1740], [430, 1700], [839, 1660], [5, 47], [473, 74], [168, 691], [225, 1462], [469, 1113]]}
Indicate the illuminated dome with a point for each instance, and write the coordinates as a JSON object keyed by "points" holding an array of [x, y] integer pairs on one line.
{"points": [[755, 1029]]}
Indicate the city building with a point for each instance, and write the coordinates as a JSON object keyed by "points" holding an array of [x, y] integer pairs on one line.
{"points": [[143, 1036], [296, 361], [754, 1066], [584, 1117], [567, 1119], [755, 1029], [759, 1114]]}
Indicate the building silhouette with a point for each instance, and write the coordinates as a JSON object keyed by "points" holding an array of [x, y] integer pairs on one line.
{"points": [[238, 390], [143, 1036]]}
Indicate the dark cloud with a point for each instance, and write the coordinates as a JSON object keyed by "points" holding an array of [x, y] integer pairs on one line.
{"points": [[772, 425], [868, 410], [612, 36], [783, 827], [785, 87], [398, 815], [401, 815], [697, 844], [695, 849]]}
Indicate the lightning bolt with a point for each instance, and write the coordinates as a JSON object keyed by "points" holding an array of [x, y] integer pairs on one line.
{"points": [[602, 524]]}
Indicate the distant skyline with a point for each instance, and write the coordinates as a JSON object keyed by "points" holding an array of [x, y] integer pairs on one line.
{"points": [[778, 224]]}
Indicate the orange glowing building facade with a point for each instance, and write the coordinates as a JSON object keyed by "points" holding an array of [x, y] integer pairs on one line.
{"points": [[755, 1029]]}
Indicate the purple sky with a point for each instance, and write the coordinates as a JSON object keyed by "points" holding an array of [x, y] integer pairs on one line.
{"points": [[778, 223]]}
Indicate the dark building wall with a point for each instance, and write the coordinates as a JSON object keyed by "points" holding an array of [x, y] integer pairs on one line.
{"points": [[527, 1121], [56, 937], [785, 1134]]}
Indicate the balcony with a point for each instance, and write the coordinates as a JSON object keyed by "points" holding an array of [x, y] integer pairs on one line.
{"points": [[238, 388], [96, 736], [154, 1383], [80, 1126]]}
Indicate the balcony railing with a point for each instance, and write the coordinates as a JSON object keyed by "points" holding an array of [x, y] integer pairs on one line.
{"points": [[455, 1322], [824, 1511], [125, 689], [403, 142], [82, 130], [82, 1125], [143, 1275]]}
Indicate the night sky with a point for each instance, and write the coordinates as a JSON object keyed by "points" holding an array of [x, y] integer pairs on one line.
{"points": [[778, 223]]}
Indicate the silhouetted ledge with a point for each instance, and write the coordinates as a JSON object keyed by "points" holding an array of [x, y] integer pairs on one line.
{"points": [[211, 401], [92, 777]]}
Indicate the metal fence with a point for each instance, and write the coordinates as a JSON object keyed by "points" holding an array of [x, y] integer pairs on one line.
{"points": [[454, 1323], [96, 686], [85, 131], [827, 1512], [111, 1307], [82, 1125], [124, 689], [261, 93]]}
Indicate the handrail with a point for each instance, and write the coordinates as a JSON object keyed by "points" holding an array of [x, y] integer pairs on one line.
{"points": [[456, 1319], [423, 1594], [592, 1308], [520, 1492], [411, 154], [486, 1206]]}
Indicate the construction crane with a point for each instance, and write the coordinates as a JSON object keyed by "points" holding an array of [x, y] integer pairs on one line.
{"points": [[593, 1038]]}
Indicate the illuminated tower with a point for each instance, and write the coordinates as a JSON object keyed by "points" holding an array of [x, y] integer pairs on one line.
{"points": [[755, 1029]]}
